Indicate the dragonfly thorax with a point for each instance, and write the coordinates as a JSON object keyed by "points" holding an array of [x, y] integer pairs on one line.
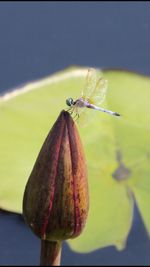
{"points": [[69, 102]]}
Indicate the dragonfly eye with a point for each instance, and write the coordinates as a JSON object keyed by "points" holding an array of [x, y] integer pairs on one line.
{"points": [[69, 102]]}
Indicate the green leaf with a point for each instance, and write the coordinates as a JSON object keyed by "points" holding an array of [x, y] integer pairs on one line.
{"points": [[117, 149], [132, 92]]}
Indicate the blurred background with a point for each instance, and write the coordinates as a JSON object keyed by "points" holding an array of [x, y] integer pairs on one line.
{"points": [[40, 38]]}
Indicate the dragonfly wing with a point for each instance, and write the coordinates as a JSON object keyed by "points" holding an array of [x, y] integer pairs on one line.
{"points": [[95, 87], [90, 83], [94, 93], [99, 93], [85, 116]]}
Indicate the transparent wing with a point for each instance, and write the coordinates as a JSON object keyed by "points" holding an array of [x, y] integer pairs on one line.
{"points": [[85, 117], [90, 82], [99, 93], [95, 87]]}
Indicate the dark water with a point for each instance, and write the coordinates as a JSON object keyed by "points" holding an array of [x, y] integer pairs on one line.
{"points": [[37, 39], [18, 246]]}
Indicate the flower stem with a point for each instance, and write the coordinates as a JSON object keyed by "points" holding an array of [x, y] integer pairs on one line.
{"points": [[50, 253]]}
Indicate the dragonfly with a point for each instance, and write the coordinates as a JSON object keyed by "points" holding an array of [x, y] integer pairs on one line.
{"points": [[92, 96]]}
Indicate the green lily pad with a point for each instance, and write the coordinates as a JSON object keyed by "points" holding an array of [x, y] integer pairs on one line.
{"points": [[117, 149]]}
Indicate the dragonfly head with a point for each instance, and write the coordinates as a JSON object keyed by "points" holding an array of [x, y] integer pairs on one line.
{"points": [[69, 102]]}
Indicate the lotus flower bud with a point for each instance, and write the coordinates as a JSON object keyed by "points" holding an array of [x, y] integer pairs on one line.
{"points": [[55, 203]]}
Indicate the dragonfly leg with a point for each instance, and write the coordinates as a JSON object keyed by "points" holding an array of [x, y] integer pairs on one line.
{"points": [[70, 110], [75, 111], [76, 115]]}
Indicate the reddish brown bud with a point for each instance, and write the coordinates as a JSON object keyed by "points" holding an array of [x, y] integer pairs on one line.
{"points": [[55, 203]]}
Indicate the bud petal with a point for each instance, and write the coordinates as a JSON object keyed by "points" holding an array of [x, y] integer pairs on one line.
{"points": [[55, 203]]}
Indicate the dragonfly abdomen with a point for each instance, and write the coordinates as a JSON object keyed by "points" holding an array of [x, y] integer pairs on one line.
{"points": [[102, 109]]}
